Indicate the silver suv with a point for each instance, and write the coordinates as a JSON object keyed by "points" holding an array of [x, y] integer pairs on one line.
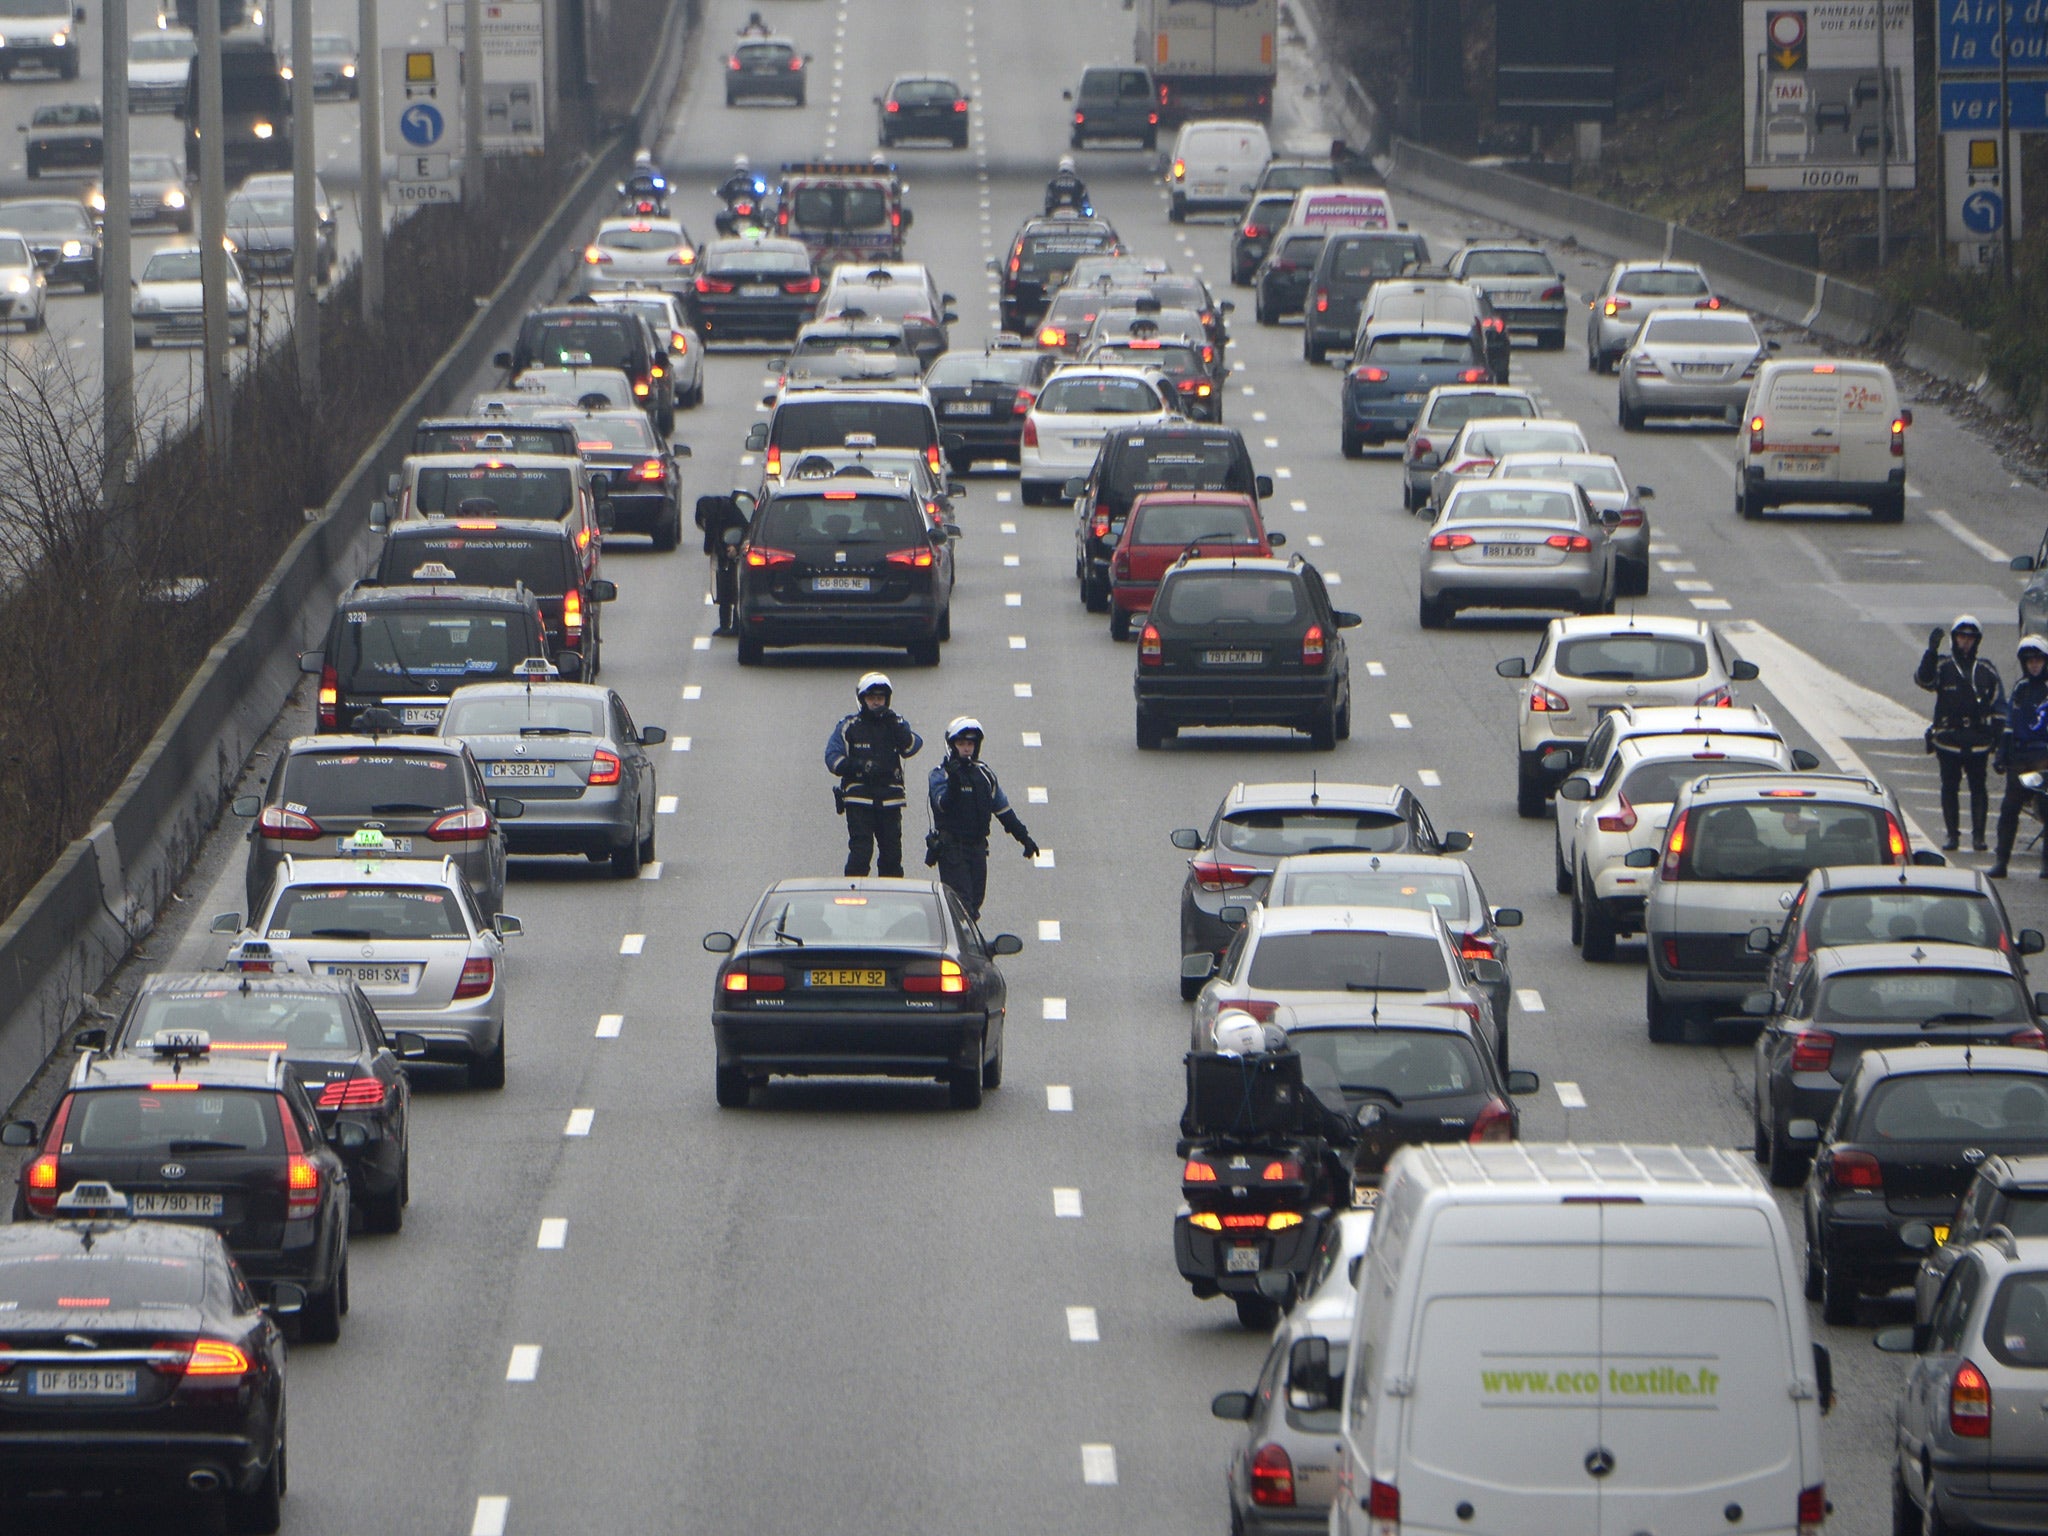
{"points": [[1735, 853], [1972, 1417]]}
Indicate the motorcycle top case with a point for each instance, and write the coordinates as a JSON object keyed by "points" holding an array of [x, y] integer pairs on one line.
{"points": [[1244, 1096]]}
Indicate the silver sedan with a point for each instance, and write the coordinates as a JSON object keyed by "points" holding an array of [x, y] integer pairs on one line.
{"points": [[1479, 443], [1517, 544], [664, 311], [1689, 363], [1600, 477], [1633, 291], [655, 251]]}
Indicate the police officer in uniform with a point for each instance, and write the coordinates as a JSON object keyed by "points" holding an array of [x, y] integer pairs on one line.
{"points": [[1968, 715], [866, 751], [1066, 189], [2023, 748], [965, 797], [716, 515]]}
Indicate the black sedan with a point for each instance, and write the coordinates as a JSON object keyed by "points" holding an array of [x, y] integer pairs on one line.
{"points": [[645, 480], [859, 977], [753, 290], [921, 107], [1906, 1136], [63, 236], [984, 397], [135, 1360], [330, 1038]]}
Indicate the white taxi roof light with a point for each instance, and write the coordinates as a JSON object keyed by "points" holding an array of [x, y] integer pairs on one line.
{"points": [[92, 1197], [368, 843], [536, 667], [180, 1043]]}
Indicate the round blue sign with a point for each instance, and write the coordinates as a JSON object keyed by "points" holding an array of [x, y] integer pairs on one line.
{"points": [[1983, 212], [421, 124]]}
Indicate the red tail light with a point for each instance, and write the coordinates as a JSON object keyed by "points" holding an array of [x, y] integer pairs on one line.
{"points": [[1623, 820], [1021, 406], [651, 469], [1969, 1403], [459, 826], [934, 976], [756, 978], [890, 106], [604, 767], [292, 826], [1099, 528], [1812, 1050], [1313, 647], [596, 257], [1150, 653], [1197, 1172], [1674, 855], [1080, 118], [1370, 375], [1716, 698], [330, 697], [1856, 1170], [1473, 946], [743, 207], [1799, 950], [803, 285], [39, 1179], [353, 1093], [1495, 1123], [301, 1173], [211, 1359], [477, 976], [1322, 301], [1214, 875], [1631, 517], [959, 106], [1615, 306], [1281, 1170], [1030, 433], [733, 62], [1384, 1505], [1895, 838], [1756, 434], [1576, 542], [1272, 1477], [2029, 1039], [1419, 447], [1554, 291], [1546, 701], [760, 555], [1813, 1509], [933, 457], [772, 463], [1254, 232], [1706, 304], [1452, 541], [714, 285], [1493, 323], [920, 556], [1472, 376], [1899, 437]]}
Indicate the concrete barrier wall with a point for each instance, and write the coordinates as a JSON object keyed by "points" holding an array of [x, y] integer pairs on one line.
{"points": [[1947, 349], [82, 919]]}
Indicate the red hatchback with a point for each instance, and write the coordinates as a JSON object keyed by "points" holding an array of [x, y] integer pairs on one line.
{"points": [[1163, 526]]}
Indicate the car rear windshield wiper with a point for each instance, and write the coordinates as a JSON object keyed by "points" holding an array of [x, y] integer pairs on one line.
{"points": [[202, 1145], [782, 934], [1608, 677], [340, 933], [552, 730], [405, 808], [1961, 1018], [1375, 986], [1334, 848]]}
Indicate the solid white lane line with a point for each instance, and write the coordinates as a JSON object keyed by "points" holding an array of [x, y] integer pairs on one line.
{"points": [[1066, 1202], [1059, 1098], [632, 943], [679, 743], [1948, 523], [579, 1122], [1710, 604], [609, 1025], [1013, 599], [1053, 1008], [491, 1510], [1034, 794], [650, 871], [1021, 690], [1016, 642], [1082, 1327], [1375, 669], [693, 690], [525, 1363], [1033, 739], [1530, 999], [665, 806], [1428, 778], [1569, 1096], [1048, 930], [1098, 1465], [554, 1232], [701, 643], [1402, 722]]}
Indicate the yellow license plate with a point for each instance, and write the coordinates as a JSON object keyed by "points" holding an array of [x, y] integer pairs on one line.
{"points": [[1940, 1236], [849, 978]]}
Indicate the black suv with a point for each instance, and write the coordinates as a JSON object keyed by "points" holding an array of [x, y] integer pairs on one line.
{"points": [[1350, 263], [1280, 283], [846, 567], [1041, 255], [592, 336], [1237, 642], [406, 649], [228, 1142], [1160, 456]]}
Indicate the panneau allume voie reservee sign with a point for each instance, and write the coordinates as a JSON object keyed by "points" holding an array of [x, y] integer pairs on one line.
{"points": [[1814, 116]]}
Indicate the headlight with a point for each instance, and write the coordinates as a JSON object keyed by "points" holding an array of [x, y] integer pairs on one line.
{"points": [[262, 130], [284, 71], [74, 247], [98, 201], [348, 71], [174, 198], [60, 38], [19, 285]]}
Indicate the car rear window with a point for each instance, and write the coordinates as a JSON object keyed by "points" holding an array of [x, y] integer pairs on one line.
{"points": [[1632, 658], [766, 53], [1098, 397], [1663, 284], [2016, 1326], [1920, 997], [639, 237], [1700, 331], [1419, 351], [791, 918], [829, 423], [1302, 250], [1278, 833], [827, 207], [1484, 506], [1966, 1107], [1052, 253], [393, 650], [591, 341], [840, 517], [1658, 782], [1779, 841], [357, 783], [831, 343], [1508, 264], [1374, 258], [920, 91], [248, 1021], [365, 912], [1408, 1063], [1348, 959], [604, 431], [14, 253], [1182, 523], [98, 1281], [504, 492], [1294, 177], [541, 714], [1268, 600], [1903, 916], [161, 1122], [1179, 463], [1452, 411], [1419, 890], [957, 370], [1595, 479], [748, 261], [519, 437], [1531, 439], [479, 560], [1167, 356], [885, 301]]}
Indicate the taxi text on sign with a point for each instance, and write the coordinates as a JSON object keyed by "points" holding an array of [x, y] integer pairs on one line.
{"points": [[1813, 114]]}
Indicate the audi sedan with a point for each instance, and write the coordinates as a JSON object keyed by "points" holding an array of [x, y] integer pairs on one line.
{"points": [[1517, 544]]}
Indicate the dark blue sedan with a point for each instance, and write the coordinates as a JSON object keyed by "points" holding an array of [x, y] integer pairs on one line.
{"points": [[1391, 373]]}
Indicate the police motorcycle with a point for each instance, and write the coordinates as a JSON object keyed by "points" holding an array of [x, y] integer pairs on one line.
{"points": [[644, 194], [746, 205]]}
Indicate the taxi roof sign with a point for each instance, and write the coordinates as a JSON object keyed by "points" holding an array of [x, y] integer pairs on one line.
{"points": [[368, 842], [181, 1042], [536, 667], [92, 1197]]}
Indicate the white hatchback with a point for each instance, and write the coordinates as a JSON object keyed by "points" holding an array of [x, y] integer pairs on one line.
{"points": [[1073, 412]]}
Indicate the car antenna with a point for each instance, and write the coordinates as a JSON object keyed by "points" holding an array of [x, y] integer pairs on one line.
{"points": [[1315, 788]]}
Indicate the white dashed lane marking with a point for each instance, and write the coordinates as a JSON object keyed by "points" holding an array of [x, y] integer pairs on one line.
{"points": [[1315, 541], [1048, 930], [1530, 999], [1021, 690], [554, 1232], [579, 1122], [1016, 642], [1059, 1098], [1082, 1326], [1331, 578], [1044, 859], [693, 691], [609, 1025], [1428, 778], [679, 744], [1297, 506], [632, 943], [1710, 604], [1401, 722], [1066, 1202], [1005, 527], [1033, 739], [1098, 1465], [665, 806], [1035, 795], [1013, 599], [1012, 560], [525, 1363], [1676, 567], [1693, 586], [701, 643], [491, 1511], [650, 871], [1375, 669], [1569, 1096], [1054, 1008]]}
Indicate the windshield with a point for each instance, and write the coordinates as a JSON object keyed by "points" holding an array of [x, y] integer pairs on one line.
{"points": [[1373, 258], [391, 650], [1098, 397], [1921, 996], [771, 54], [1968, 1107], [1052, 255], [154, 168], [518, 438], [842, 517], [1632, 658], [609, 431], [1496, 443], [926, 91], [150, 1122], [1658, 783], [956, 370], [816, 207], [1780, 841], [1663, 284], [480, 560], [542, 710], [154, 47], [1263, 599], [589, 341], [14, 253], [801, 424], [365, 912], [1701, 331], [63, 219], [91, 1282], [830, 343], [172, 267], [260, 210], [248, 1021], [1594, 479], [1452, 411], [1348, 959], [907, 920], [1479, 505], [640, 237], [1408, 1063], [1420, 351], [359, 783], [1896, 915], [503, 492], [1508, 264], [1278, 833], [745, 261], [1176, 524], [1444, 892]]}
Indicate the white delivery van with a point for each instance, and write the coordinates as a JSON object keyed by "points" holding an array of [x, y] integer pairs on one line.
{"points": [[1823, 429], [1215, 164], [1579, 1341], [1334, 208]]}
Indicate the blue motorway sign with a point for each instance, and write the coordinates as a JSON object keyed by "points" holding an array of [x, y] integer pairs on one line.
{"points": [[1966, 35], [1974, 104]]}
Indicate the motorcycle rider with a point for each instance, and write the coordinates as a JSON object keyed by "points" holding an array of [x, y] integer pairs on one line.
{"points": [[866, 750], [2023, 748], [645, 183], [1968, 695], [965, 797], [755, 26], [716, 515], [739, 182], [1066, 189]]}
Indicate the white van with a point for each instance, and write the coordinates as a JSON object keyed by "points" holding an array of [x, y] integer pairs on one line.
{"points": [[1575, 1340], [1823, 429], [1216, 163], [1334, 208]]}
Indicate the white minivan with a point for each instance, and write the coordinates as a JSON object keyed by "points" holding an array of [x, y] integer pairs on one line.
{"points": [[1216, 163], [1576, 1340], [1823, 430]]}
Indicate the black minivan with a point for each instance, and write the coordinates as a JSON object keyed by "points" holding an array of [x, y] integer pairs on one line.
{"points": [[1114, 101], [1351, 262]]}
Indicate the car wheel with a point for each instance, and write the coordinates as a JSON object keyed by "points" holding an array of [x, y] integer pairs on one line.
{"points": [[185, 223], [260, 1511], [488, 1071], [626, 860], [669, 534], [1119, 623], [1749, 504], [732, 1088], [750, 652], [1578, 934], [386, 1213], [1344, 720], [963, 1087], [69, 68], [1759, 1140], [1597, 927], [1633, 578], [320, 1319], [1322, 730], [1151, 734], [1151, 141], [1433, 613], [1529, 795], [1786, 1165], [1031, 493], [95, 280], [924, 653], [1313, 352], [1552, 342], [1592, 359], [1560, 872], [1631, 419], [35, 322], [958, 464], [1257, 1313], [1905, 1513], [1812, 1269], [800, 96], [1094, 594], [1666, 1023], [1177, 210], [1352, 444], [946, 623], [1891, 509], [992, 1070], [1837, 1296]]}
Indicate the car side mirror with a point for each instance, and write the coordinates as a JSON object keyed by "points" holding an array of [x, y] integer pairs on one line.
{"points": [[1757, 1005], [504, 359], [1308, 1374], [508, 810], [951, 316], [380, 516], [1804, 760], [1906, 415], [1645, 493], [1276, 540], [607, 519], [680, 450], [1235, 1407], [1264, 486], [1521, 1083], [78, 14], [1902, 1339], [1348, 620], [955, 487], [570, 665], [769, 398], [1927, 858], [1761, 941], [2021, 562], [1640, 858], [89, 1040], [604, 591], [392, 484], [2041, 1004], [1488, 973], [348, 1136], [506, 926], [757, 437], [225, 922], [719, 943], [1454, 842], [1774, 346], [311, 662], [1185, 838], [1610, 517], [1066, 95], [247, 805], [733, 538], [1199, 966], [952, 531], [1743, 671], [1006, 944], [1507, 917], [1513, 666], [1075, 488], [1227, 307], [1232, 913], [286, 1299], [407, 1046], [1802, 1131], [2031, 942], [1577, 787], [653, 735], [1824, 1377]]}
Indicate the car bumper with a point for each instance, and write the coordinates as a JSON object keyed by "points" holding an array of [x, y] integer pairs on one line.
{"points": [[1664, 397], [751, 322], [1246, 701], [1631, 544], [1864, 1245], [1205, 197], [1778, 493], [924, 125], [1115, 125], [54, 56], [1203, 1257], [986, 438], [154, 98], [132, 1461], [1573, 584], [786, 83], [1201, 930], [1055, 468], [1969, 1504], [849, 1043], [1723, 989], [459, 1032], [777, 623], [1547, 319], [1382, 420], [1304, 1518], [641, 514], [596, 821]]}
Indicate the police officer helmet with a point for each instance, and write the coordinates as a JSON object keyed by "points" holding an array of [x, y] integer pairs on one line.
{"points": [[1067, 163], [2033, 645], [643, 157], [870, 682], [964, 725], [1966, 621], [739, 162]]}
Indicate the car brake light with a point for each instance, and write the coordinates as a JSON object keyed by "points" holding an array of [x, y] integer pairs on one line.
{"points": [[1099, 528], [803, 285], [750, 979], [1813, 1050], [760, 555], [1030, 433], [1272, 1477], [572, 617], [890, 106], [713, 285], [1623, 820], [211, 1358], [934, 976], [301, 1173], [39, 1179], [1281, 1170], [1495, 1123], [1080, 118], [959, 106], [353, 1093], [1473, 946], [1674, 854], [1021, 406], [1895, 837], [1051, 336], [1716, 698], [1419, 447], [651, 469], [1180, 169], [932, 456], [1813, 1509], [330, 697], [1969, 1403], [1453, 541], [1856, 1170], [1313, 647], [1631, 517], [1615, 306], [1370, 375], [1197, 1172], [1150, 653], [1554, 291], [1214, 875], [1898, 437], [1546, 701], [1708, 303], [1472, 376], [604, 767], [459, 826], [477, 976], [919, 556], [2028, 1039], [733, 62], [796, 65], [293, 826], [771, 465], [1571, 541], [1254, 232], [1383, 1504], [1322, 301], [1756, 434]]}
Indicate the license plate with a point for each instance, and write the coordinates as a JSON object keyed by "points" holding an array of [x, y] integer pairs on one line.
{"points": [[757, 290], [1365, 1197], [420, 714], [369, 975], [1511, 551], [1233, 658], [1693, 369], [1411, 399], [839, 584], [175, 1205], [971, 408], [522, 770], [66, 1381], [398, 845], [1242, 1260], [1799, 464], [1940, 1236], [849, 978]]}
